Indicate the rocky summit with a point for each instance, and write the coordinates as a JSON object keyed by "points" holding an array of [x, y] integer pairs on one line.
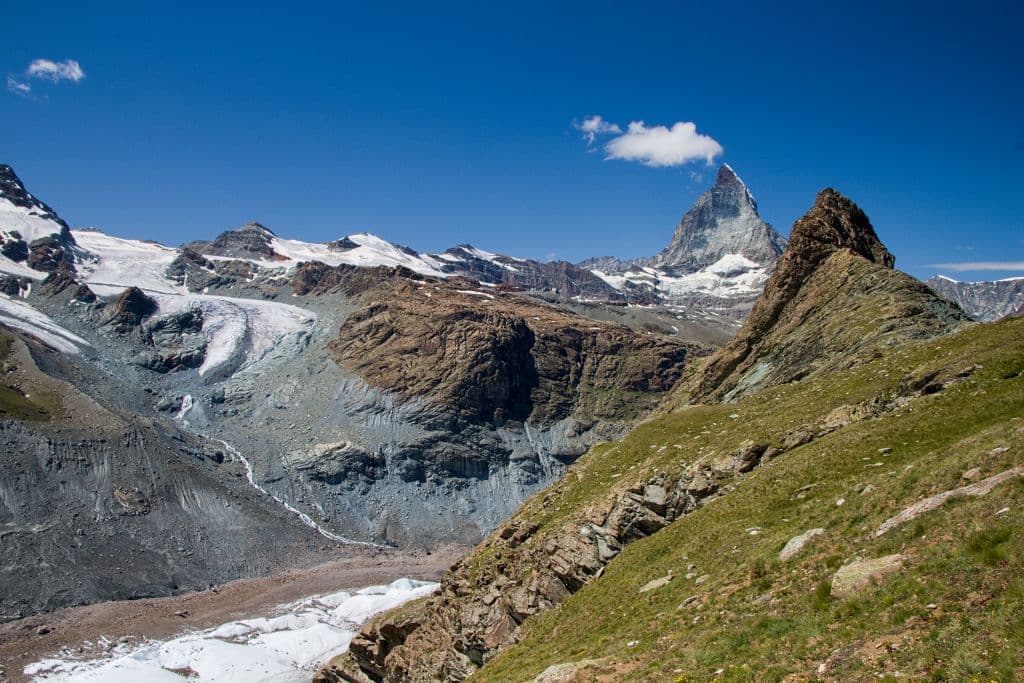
{"points": [[724, 221], [832, 299]]}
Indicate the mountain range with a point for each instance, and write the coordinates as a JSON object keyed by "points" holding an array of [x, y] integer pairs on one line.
{"points": [[172, 418]]}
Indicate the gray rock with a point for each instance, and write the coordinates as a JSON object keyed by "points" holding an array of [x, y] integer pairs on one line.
{"points": [[853, 578], [797, 543]]}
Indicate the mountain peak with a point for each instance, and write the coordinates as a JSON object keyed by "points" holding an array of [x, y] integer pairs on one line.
{"points": [[727, 177], [821, 305], [723, 221], [256, 226], [836, 222], [13, 190]]}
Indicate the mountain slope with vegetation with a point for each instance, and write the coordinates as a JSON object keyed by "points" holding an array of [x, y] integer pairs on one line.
{"points": [[659, 556]]}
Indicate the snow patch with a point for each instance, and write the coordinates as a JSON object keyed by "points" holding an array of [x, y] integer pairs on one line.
{"points": [[24, 318], [284, 648]]}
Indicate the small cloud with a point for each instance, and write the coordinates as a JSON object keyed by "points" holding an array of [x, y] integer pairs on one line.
{"points": [[657, 146], [18, 87], [979, 265], [44, 70], [660, 146], [593, 126], [68, 70]]}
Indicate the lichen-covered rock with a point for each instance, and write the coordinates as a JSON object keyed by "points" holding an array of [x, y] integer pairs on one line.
{"points": [[856, 576]]}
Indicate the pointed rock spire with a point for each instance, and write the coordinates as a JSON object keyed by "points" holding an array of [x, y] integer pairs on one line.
{"points": [[723, 221]]}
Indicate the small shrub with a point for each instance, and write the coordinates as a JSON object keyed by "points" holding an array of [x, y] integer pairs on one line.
{"points": [[987, 545], [822, 598]]}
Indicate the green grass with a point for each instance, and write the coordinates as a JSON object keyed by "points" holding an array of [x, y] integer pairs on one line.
{"points": [[20, 404], [954, 613]]}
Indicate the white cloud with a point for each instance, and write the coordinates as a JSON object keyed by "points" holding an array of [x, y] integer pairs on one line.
{"points": [[18, 87], [68, 70], [979, 265], [660, 146], [593, 126], [44, 70]]}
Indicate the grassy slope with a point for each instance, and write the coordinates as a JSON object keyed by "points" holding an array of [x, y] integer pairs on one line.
{"points": [[21, 399], [955, 613]]}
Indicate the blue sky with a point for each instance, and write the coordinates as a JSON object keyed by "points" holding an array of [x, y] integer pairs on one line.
{"points": [[432, 126]]}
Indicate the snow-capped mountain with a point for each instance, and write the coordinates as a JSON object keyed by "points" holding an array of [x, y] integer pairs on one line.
{"points": [[718, 260], [724, 222], [986, 301], [33, 238]]}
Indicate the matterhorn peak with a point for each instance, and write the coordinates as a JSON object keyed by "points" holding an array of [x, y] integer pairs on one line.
{"points": [[723, 222], [727, 176]]}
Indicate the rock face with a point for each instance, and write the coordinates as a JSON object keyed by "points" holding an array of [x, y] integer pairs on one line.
{"points": [[501, 359], [983, 301], [723, 221], [129, 309], [252, 240], [453, 405], [832, 298]]}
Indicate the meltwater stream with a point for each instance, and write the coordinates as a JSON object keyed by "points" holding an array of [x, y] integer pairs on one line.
{"points": [[187, 403]]}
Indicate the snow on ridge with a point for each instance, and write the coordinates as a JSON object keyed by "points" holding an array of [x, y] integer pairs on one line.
{"points": [[120, 262], [371, 251], [27, 221], [732, 275]]}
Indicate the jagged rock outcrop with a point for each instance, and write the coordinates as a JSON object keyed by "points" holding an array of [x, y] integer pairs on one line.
{"points": [[983, 301], [832, 297], [129, 309], [13, 190], [723, 221], [175, 340], [62, 282]]}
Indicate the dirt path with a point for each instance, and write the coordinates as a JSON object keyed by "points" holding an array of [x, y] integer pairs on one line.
{"points": [[28, 640]]}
